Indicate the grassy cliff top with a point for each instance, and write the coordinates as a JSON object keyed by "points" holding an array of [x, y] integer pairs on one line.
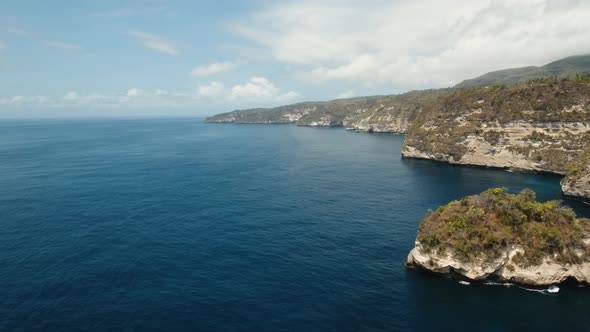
{"points": [[483, 226], [442, 126], [544, 99]]}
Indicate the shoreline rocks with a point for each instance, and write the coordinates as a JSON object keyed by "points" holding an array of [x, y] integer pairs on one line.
{"points": [[502, 269]]}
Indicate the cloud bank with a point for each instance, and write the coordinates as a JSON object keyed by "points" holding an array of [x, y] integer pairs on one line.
{"points": [[416, 43], [255, 91], [257, 88], [214, 68]]}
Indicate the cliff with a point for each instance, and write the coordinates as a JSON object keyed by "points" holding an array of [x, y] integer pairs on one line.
{"points": [[392, 113], [540, 125], [576, 183], [504, 237]]}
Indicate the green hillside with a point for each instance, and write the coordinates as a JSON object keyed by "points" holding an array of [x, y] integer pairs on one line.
{"points": [[569, 66]]}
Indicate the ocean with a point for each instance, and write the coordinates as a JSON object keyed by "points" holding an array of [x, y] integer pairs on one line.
{"points": [[178, 225]]}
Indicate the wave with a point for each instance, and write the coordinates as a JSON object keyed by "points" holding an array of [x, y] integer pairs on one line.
{"points": [[551, 290], [547, 291], [491, 283]]}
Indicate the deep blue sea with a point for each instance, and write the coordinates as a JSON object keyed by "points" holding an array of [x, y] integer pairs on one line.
{"points": [[177, 225]]}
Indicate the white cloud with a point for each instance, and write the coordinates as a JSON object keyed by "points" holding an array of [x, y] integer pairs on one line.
{"points": [[17, 100], [214, 68], [134, 92], [213, 89], [62, 45], [25, 101], [16, 31], [347, 94], [255, 92], [357, 66], [154, 42], [255, 89], [72, 95], [416, 43]]}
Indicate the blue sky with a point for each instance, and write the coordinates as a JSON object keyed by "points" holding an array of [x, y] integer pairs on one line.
{"points": [[170, 58]]}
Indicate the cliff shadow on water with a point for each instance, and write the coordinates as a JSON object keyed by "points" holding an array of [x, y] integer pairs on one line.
{"points": [[451, 181]]}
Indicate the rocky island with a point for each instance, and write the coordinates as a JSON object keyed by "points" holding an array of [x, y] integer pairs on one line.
{"points": [[504, 237]]}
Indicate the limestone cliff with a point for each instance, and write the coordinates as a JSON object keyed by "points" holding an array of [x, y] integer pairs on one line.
{"points": [[538, 126], [503, 268], [576, 183], [504, 237]]}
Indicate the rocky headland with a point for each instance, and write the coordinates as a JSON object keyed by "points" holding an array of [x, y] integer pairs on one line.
{"points": [[540, 125], [504, 238]]}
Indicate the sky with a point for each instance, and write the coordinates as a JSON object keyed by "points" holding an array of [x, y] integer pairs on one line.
{"points": [[197, 58]]}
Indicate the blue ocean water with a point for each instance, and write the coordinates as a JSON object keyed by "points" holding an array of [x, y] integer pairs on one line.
{"points": [[177, 225]]}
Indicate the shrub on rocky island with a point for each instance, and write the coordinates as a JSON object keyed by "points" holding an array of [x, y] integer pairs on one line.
{"points": [[488, 224]]}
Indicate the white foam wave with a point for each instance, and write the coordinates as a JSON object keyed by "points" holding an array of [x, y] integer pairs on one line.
{"points": [[491, 283], [550, 290]]}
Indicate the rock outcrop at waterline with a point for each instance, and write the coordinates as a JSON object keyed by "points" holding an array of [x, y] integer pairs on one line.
{"points": [[504, 237], [576, 183]]}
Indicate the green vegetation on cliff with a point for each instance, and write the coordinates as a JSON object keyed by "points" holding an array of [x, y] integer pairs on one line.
{"points": [[576, 183], [489, 224], [446, 128]]}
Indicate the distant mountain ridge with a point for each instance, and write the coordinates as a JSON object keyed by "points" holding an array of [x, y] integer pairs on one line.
{"points": [[566, 67]]}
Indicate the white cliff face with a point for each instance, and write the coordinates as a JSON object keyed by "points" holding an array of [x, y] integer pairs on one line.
{"points": [[503, 268], [380, 120], [297, 114], [323, 121], [516, 144]]}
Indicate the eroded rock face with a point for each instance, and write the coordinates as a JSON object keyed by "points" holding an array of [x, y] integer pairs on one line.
{"points": [[502, 269], [577, 182], [538, 127], [533, 146], [380, 120]]}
